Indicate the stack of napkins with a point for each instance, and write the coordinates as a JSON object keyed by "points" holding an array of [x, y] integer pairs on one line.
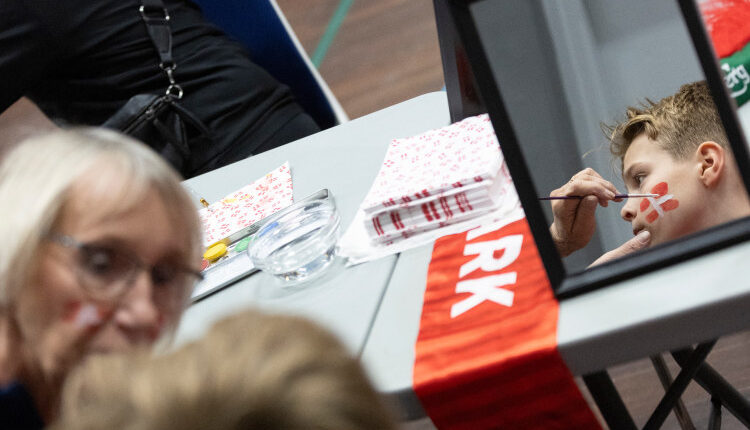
{"points": [[247, 205], [435, 179]]}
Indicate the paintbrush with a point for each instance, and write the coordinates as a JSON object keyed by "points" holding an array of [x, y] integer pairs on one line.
{"points": [[617, 196]]}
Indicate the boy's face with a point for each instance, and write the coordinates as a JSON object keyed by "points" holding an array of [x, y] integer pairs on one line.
{"points": [[680, 206]]}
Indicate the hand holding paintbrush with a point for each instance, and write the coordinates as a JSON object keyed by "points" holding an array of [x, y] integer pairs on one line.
{"points": [[574, 206]]}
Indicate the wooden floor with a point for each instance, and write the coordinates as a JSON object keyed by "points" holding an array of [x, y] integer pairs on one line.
{"points": [[638, 384], [386, 51]]}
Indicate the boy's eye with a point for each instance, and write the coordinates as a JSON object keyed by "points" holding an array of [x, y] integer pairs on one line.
{"points": [[638, 179]]}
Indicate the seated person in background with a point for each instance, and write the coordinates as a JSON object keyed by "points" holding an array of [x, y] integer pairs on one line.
{"points": [[81, 60], [250, 371], [676, 148], [101, 252]]}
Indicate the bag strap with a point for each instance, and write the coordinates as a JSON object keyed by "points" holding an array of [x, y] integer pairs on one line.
{"points": [[156, 17]]}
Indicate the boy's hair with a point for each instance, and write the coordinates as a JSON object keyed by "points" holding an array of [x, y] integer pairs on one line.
{"points": [[678, 123], [251, 371]]}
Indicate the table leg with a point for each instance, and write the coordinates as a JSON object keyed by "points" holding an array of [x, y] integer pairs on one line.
{"points": [[714, 420], [718, 387], [608, 401], [683, 418], [679, 385]]}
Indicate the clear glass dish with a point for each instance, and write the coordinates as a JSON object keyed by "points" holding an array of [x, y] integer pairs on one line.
{"points": [[299, 242]]}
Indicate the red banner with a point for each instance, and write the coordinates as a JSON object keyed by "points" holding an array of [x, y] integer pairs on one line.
{"points": [[727, 24], [486, 354]]}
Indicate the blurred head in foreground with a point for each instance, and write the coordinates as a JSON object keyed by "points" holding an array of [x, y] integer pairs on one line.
{"points": [[251, 371]]}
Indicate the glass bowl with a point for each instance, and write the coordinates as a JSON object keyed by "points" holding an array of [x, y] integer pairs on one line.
{"points": [[299, 242]]}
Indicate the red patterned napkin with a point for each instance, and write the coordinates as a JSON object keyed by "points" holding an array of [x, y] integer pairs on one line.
{"points": [[435, 179], [444, 181], [449, 208], [247, 205]]}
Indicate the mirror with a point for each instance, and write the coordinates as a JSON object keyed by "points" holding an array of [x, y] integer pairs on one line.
{"points": [[551, 73]]}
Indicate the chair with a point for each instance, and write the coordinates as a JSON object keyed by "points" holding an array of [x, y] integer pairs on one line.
{"points": [[261, 27]]}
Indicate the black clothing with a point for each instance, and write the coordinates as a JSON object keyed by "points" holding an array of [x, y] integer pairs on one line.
{"points": [[81, 60], [17, 409]]}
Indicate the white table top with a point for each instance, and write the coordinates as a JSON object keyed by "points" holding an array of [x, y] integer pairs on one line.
{"points": [[344, 159], [697, 300], [375, 307]]}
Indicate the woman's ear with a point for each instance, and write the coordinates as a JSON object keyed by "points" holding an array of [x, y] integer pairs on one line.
{"points": [[711, 158]]}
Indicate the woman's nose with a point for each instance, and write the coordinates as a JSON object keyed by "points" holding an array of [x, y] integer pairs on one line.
{"points": [[137, 312]]}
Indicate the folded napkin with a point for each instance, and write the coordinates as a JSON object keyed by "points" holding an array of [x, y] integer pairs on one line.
{"points": [[440, 182], [435, 162], [247, 205], [435, 179], [406, 221]]}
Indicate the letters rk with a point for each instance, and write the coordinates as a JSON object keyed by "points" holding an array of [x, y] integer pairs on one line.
{"points": [[488, 287]]}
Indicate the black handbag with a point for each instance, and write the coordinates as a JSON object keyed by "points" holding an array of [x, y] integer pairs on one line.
{"points": [[159, 120]]}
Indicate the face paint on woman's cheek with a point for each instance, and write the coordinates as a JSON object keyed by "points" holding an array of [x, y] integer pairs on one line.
{"points": [[658, 205], [85, 315]]}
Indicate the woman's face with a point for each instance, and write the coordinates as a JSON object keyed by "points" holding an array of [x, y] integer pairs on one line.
{"points": [[54, 311]]}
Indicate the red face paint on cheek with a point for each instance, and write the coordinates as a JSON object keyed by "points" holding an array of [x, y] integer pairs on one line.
{"points": [[85, 314], [670, 204], [644, 205], [661, 188], [71, 311], [661, 204]]}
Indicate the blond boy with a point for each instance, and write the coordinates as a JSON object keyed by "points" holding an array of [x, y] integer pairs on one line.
{"points": [[675, 148]]}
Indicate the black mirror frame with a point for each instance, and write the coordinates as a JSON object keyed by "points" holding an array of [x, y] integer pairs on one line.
{"points": [[458, 34]]}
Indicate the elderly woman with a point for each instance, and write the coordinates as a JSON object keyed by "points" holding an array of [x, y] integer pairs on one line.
{"points": [[101, 251]]}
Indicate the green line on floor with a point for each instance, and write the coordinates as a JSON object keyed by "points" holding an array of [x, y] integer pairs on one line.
{"points": [[331, 30]]}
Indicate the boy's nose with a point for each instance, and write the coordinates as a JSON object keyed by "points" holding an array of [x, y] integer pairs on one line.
{"points": [[628, 212]]}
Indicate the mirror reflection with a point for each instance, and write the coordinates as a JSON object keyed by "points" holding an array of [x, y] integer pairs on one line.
{"points": [[616, 125], [678, 174]]}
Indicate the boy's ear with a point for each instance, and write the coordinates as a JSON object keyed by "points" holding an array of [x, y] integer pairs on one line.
{"points": [[711, 158]]}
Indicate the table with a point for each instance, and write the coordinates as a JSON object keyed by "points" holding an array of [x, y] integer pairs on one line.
{"points": [[344, 159], [690, 302], [375, 307]]}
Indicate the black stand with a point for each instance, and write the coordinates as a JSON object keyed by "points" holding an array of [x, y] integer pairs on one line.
{"points": [[692, 362]]}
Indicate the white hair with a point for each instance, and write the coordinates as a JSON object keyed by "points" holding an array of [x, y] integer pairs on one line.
{"points": [[36, 178]]}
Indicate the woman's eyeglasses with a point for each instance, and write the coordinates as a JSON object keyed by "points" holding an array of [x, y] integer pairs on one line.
{"points": [[107, 272]]}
